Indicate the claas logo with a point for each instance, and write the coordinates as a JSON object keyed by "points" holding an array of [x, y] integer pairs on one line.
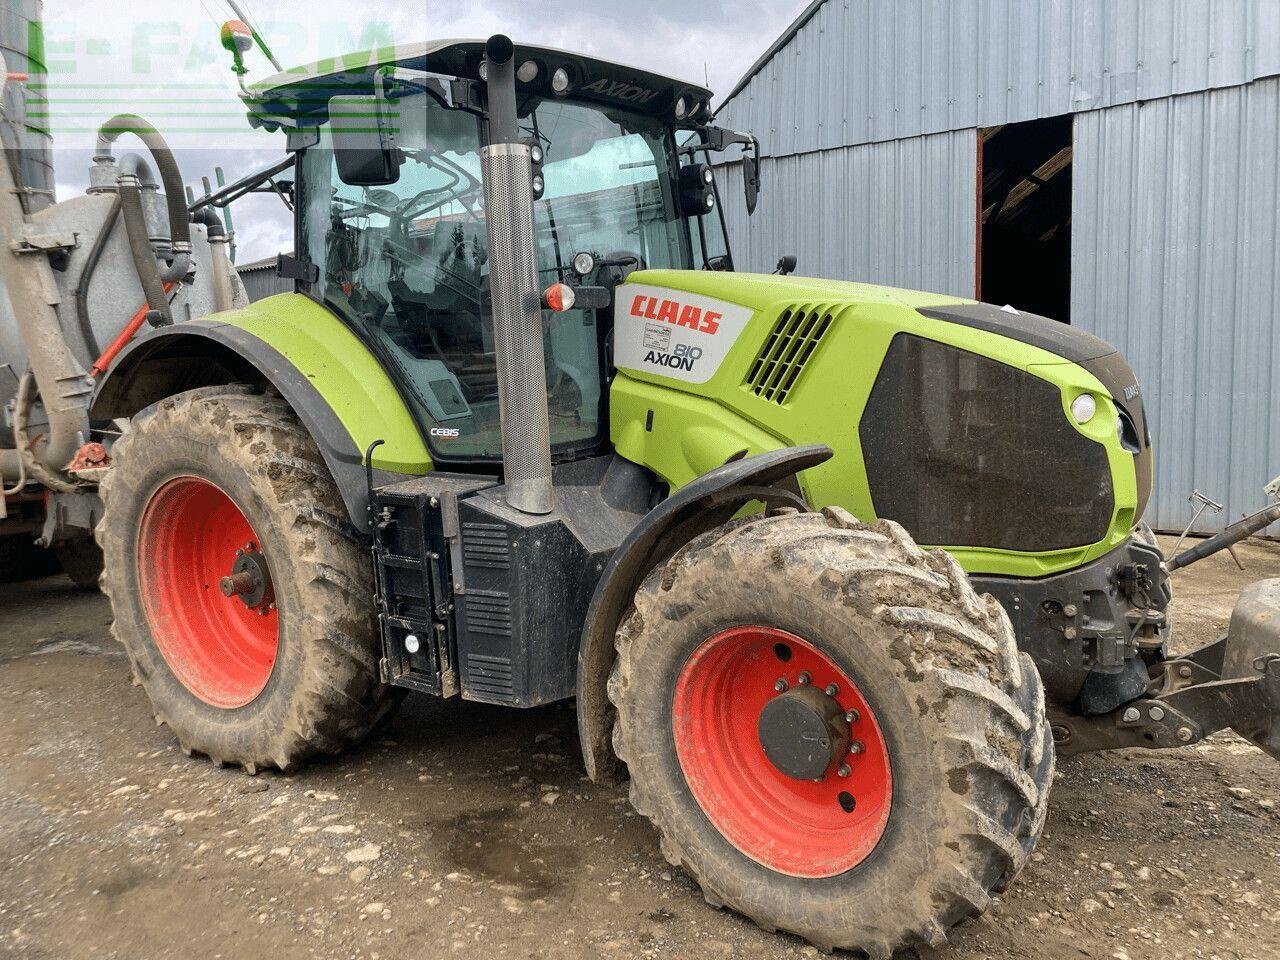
{"points": [[676, 314]]}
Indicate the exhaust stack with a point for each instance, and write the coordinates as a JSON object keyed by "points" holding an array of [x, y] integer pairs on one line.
{"points": [[517, 301]]}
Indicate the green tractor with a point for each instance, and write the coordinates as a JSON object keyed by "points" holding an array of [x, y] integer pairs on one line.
{"points": [[523, 435]]}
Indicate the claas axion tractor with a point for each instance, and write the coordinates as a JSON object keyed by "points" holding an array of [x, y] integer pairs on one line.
{"points": [[522, 435]]}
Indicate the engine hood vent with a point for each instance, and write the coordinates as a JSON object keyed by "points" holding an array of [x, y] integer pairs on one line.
{"points": [[792, 343]]}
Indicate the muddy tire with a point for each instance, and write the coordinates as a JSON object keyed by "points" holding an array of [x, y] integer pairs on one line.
{"points": [[81, 561], [223, 480], [934, 799]]}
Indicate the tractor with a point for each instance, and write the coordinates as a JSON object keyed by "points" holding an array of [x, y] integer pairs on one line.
{"points": [[522, 434]]}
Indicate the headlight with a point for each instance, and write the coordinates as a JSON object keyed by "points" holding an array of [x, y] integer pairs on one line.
{"points": [[584, 264], [1083, 408]]}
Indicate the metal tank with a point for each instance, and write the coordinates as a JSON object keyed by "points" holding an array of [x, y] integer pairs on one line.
{"points": [[97, 284]]}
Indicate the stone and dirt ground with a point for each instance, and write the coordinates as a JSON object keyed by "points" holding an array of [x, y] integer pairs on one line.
{"points": [[464, 830]]}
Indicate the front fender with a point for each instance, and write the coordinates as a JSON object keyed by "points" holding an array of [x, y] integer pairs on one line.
{"points": [[332, 381], [701, 505]]}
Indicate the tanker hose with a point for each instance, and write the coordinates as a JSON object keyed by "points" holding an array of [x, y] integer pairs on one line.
{"points": [[35, 469], [86, 277], [144, 260], [175, 190]]}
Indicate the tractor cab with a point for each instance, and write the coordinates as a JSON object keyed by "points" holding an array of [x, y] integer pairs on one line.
{"points": [[392, 228]]}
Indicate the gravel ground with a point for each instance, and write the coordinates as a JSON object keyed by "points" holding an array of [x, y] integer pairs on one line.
{"points": [[467, 830]]}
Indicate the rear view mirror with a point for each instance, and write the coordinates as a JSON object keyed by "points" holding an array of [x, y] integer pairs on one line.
{"points": [[751, 182], [364, 140]]}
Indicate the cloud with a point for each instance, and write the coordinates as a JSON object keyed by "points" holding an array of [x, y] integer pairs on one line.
{"points": [[164, 61]]}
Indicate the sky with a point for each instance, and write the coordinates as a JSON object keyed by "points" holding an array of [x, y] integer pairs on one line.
{"points": [[164, 62]]}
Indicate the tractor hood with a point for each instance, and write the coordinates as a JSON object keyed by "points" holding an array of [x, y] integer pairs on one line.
{"points": [[1015, 440]]}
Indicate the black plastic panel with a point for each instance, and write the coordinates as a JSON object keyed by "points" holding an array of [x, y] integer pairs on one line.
{"points": [[965, 451], [1061, 339]]}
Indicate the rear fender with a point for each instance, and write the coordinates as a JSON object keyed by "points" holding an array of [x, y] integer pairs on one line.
{"points": [[334, 385], [701, 505]]}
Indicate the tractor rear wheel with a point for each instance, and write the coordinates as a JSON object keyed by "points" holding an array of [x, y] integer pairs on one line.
{"points": [[240, 589], [831, 731]]}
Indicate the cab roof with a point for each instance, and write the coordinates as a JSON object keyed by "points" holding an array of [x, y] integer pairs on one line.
{"points": [[304, 92]]}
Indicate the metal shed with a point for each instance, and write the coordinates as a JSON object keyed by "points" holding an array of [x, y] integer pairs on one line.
{"points": [[899, 136], [261, 280]]}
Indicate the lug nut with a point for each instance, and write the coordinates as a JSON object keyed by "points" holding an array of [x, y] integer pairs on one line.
{"points": [[852, 717], [1131, 715], [1070, 610], [1156, 713], [832, 689], [844, 770], [856, 747], [1185, 734], [780, 685], [804, 678]]}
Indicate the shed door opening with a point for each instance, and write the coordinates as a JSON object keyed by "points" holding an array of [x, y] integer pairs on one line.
{"points": [[1024, 236]]}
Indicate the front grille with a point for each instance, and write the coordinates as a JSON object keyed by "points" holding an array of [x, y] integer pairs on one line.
{"points": [[965, 451], [791, 344]]}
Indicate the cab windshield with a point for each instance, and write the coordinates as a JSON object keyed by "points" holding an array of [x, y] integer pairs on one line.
{"points": [[407, 263]]}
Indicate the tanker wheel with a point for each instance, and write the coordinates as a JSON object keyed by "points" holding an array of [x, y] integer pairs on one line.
{"points": [[240, 589], [833, 734], [81, 561]]}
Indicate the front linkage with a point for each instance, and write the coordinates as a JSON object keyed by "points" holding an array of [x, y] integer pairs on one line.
{"points": [[1233, 682]]}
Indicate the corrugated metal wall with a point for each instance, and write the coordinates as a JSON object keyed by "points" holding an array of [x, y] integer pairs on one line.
{"points": [[1175, 259], [260, 280], [899, 213], [862, 71]]}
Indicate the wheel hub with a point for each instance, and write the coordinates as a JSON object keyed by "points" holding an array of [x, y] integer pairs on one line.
{"points": [[250, 580], [803, 732]]}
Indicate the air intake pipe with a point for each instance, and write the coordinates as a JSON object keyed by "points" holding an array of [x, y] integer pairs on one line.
{"points": [[517, 302]]}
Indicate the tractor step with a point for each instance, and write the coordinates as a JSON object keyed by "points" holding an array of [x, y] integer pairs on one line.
{"points": [[416, 548]]}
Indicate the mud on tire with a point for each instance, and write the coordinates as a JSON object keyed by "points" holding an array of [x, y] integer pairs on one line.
{"points": [[323, 693], [961, 712]]}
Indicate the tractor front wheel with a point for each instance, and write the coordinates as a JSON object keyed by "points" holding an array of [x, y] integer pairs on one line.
{"points": [[240, 589], [831, 731]]}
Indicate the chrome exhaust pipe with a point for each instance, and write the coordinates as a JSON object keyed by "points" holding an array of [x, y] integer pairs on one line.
{"points": [[507, 169]]}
